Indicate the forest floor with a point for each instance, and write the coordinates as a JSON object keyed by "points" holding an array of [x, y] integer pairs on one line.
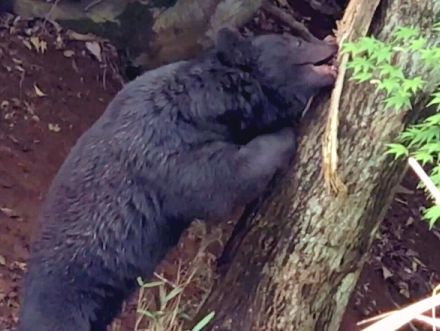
{"points": [[53, 86]]}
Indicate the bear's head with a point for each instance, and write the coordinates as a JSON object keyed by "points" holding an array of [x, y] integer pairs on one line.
{"points": [[287, 67]]}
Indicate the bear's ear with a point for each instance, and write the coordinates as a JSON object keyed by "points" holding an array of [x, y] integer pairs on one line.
{"points": [[232, 48], [227, 39]]}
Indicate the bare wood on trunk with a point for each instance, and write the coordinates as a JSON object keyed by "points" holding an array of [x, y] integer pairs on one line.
{"points": [[293, 261], [355, 23]]}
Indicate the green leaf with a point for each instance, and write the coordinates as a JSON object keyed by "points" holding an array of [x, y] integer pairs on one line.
{"points": [[423, 157], [415, 84], [174, 292], [432, 215], [370, 45], [436, 170], [433, 120], [436, 27], [431, 56], [162, 295], [203, 322], [405, 33], [398, 150], [435, 175], [147, 314], [391, 71], [350, 48], [152, 284], [361, 77], [360, 64], [423, 135], [417, 44], [435, 179], [382, 54], [389, 85], [184, 316], [409, 134], [400, 99], [431, 148], [435, 100]]}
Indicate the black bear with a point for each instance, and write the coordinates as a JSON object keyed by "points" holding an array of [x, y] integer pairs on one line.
{"points": [[192, 139]]}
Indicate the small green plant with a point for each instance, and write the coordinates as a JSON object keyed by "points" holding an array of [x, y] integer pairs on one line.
{"points": [[374, 61], [170, 304], [168, 315]]}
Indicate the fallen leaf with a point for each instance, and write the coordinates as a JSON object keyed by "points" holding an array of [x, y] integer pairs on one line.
{"points": [[9, 212], [405, 292], [27, 44], [4, 104], [414, 266], [18, 265], [2, 260], [17, 61], [386, 273], [35, 42], [16, 102], [38, 91], [39, 45], [409, 221], [59, 42], [418, 262], [80, 36], [95, 49], [410, 252], [54, 127], [283, 3], [404, 289], [69, 53]]}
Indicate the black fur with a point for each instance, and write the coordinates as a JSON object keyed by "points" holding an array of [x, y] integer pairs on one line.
{"points": [[193, 139]]}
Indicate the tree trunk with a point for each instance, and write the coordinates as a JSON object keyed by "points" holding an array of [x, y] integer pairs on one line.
{"points": [[294, 259]]}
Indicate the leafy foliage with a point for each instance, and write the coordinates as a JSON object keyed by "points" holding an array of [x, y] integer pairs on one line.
{"points": [[374, 61]]}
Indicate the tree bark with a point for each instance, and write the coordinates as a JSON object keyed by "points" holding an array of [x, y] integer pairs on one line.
{"points": [[294, 259]]}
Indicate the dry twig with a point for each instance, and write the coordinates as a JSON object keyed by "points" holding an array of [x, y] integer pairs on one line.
{"points": [[435, 192], [289, 20], [399, 318]]}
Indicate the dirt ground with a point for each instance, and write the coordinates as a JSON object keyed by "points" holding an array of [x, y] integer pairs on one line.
{"points": [[405, 261], [53, 86]]}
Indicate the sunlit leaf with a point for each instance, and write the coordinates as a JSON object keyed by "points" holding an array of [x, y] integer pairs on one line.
{"points": [[432, 215], [405, 33], [203, 322]]}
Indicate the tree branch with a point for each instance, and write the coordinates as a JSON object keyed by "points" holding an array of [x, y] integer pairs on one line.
{"points": [[289, 20]]}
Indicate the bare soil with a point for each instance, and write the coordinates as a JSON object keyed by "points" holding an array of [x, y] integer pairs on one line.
{"points": [[49, 97], [404, 265]]}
